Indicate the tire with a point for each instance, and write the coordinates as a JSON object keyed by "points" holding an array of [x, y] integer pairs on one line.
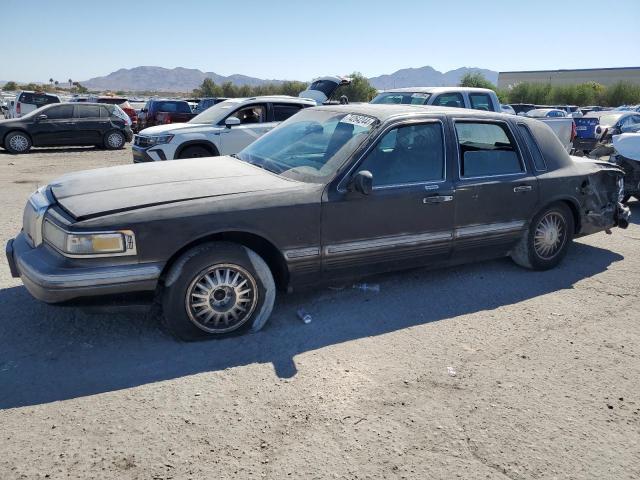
{"points": [[114, 140], [190, 297], [546, 240], [196, 151], [17, 142]]}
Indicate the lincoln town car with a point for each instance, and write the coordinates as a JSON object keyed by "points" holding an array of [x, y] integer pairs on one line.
{"points": [[331, 194]]}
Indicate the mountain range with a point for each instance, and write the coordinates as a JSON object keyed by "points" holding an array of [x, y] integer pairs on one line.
{"points": [[186, 79]]}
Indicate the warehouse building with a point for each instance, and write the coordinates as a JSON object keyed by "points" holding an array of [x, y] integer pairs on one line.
{"points": [[604, 76]]}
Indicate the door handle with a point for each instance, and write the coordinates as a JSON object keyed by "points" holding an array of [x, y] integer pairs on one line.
{"points": [[523, 188], [437, 199]]}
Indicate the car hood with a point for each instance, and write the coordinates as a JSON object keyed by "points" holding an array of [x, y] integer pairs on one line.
{"points": [[103, 191], [178, 128]]}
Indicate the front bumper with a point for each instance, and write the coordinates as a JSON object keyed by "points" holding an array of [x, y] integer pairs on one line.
{"points": [[52, 278], [147, 154]]}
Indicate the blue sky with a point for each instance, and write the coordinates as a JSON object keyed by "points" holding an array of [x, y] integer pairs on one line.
{"points": [[303, 39]]}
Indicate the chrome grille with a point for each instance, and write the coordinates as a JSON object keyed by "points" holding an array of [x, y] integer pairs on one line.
{"points": [[142, 141]]}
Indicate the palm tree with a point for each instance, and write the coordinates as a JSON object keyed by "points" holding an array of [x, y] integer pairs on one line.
{"points": [[56, 83], [70, 83], [51, 81]]}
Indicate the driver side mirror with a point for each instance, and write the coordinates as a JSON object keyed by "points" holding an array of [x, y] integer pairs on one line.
{"points": [[232, 121], [41, 117], [361, 182]]}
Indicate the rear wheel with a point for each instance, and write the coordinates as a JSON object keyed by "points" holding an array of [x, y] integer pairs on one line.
{"points": [[547, 239], [216, 290], [114, 140], [17, 142], [195, 152]]}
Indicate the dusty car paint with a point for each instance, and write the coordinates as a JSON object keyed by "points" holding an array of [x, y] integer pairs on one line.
{"points": [[311, 233]]}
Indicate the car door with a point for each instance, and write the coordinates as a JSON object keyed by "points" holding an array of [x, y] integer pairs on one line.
{"points": [[56, 129], [496, 194], [254, 122], [406, 220], [90, 126]]}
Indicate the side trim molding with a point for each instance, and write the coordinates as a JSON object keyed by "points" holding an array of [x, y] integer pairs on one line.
{"points": [[388, 242], [488, 229]]}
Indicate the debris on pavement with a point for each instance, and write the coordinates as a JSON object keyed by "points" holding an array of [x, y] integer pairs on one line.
{"points": [[304, 315]]}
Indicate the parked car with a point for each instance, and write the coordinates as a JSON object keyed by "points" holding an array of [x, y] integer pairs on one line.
{"points": [[626, 154], [124, 104], [522, 108], [333, 193], [599, 127], [223, 129], [591, 108], [508, 109], [67, 124], [546, 113], [458, 97], [321, 89], [27, 102], [162, 112], [205, 103]]}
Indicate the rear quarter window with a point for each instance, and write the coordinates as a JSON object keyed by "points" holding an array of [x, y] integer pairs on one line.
{"points": [[534, 149], [480, 101]]}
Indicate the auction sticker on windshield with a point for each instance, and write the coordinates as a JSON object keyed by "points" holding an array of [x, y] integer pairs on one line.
{"points": [[359, 120]]}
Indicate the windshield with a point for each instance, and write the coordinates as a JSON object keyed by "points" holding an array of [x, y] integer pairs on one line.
{"points": [[405, 98], [310, 146], [213, 114]]}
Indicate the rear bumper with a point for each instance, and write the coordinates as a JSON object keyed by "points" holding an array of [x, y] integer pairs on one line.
{"points": [[52, 278], [584, 144]]}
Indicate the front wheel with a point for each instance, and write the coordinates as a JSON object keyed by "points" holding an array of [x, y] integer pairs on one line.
{"points": [[216, 290], [17, 142], [195, 152], [547, 239], [114, 140]]}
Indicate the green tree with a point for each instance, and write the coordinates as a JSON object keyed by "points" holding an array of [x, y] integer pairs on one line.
{"points": [[208, 88], [10, 86], [360, 90], [476, 80]]}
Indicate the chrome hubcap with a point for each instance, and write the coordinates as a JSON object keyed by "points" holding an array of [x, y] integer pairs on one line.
{"points": [[221, 298], [114, 140], [550, 235], [19, 143]]}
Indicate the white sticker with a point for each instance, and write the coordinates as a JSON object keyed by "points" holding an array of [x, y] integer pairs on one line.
{"points": [[359, 120], [419, 95]]}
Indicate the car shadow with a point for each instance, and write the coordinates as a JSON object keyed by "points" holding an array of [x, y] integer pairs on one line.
{"points": [[55, 150], [50, 353]]}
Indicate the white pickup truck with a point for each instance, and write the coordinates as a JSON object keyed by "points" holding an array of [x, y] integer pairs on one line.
{"points": [[468, 97]]}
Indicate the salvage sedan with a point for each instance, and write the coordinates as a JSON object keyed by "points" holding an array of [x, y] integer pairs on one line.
{"points": [[333, 193]]}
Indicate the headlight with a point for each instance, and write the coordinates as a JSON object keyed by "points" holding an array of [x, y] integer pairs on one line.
{"points": [[158, 139], [75, 244]]}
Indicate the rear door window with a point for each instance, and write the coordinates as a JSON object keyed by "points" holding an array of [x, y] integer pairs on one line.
{"points": [[453, 99], [59, 112], [87, 111], [486, 149], [282, 111], [480, 101]]}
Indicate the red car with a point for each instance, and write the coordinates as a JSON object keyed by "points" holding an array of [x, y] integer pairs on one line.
{"points": [[161, 111]]}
